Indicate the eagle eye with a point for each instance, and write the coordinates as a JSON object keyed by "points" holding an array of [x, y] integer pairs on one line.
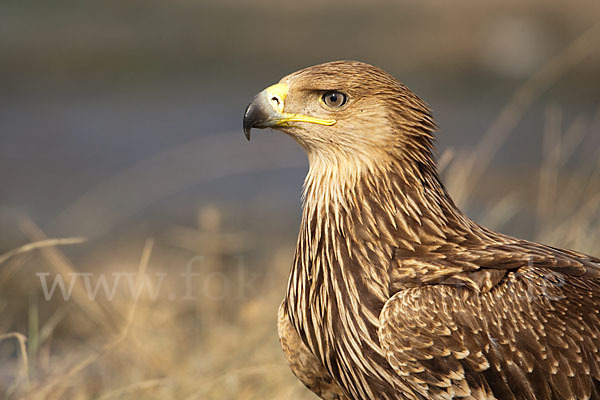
{"points": [[334, 99]]}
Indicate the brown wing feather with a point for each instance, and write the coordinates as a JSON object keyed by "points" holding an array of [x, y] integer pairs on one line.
{"points": [[534, 335], [307, 368]]}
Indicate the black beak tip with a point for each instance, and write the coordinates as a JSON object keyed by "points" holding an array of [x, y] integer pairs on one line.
{"points": [[248, 121]]}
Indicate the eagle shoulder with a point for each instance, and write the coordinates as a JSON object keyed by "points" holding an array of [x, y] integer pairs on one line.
{"points": [[534, 334]]}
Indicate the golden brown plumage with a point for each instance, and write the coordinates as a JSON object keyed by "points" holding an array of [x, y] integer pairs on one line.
{"points": [[394, 293]]}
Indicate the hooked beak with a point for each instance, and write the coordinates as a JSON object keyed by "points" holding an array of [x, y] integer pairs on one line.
{"points": [[266, 111]]}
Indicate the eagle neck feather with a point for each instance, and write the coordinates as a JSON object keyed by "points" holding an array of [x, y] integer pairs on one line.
{"points": [[355, 213], [395, 199]]}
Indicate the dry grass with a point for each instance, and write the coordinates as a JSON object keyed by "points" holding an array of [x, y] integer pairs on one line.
{"points": [[210, 347], [223, 344]]}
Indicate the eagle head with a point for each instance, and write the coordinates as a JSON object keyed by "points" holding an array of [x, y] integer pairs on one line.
{"points": [[345, 109]]}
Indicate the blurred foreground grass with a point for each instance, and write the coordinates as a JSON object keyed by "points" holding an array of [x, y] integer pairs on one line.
{"points": [[214, 339]]}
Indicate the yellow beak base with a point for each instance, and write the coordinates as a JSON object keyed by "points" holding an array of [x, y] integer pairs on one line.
{"points": [[266, 111]]}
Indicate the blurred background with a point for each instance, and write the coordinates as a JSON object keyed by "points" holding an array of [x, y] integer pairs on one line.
{"points": [[120, 124]]}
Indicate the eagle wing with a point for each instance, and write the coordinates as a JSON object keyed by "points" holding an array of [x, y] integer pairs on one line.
{"points": [[500, 331], [304, 364]]}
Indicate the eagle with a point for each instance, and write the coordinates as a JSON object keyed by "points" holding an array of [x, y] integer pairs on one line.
{"points": [[394, 293]]}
